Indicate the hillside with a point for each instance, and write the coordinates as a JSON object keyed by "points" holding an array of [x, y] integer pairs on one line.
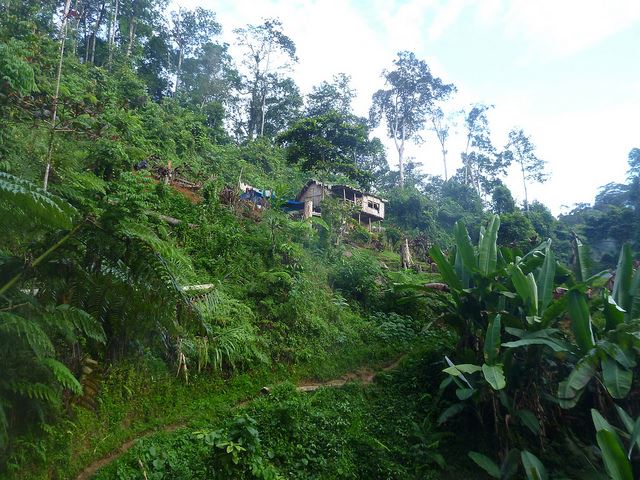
{"points": [[173, 305]]}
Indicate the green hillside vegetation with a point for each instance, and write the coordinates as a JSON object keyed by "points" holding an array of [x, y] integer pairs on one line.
{"points": [[154, 324]]}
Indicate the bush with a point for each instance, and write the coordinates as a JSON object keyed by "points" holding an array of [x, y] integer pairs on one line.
{"points": [[358, 275]]}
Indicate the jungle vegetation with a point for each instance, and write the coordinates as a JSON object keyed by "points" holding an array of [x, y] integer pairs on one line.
{"points": [[131, 306]]}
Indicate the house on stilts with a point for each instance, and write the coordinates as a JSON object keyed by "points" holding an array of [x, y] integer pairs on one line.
{"points": [[370, 208]]}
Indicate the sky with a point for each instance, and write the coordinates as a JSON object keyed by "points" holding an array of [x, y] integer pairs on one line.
{"points": [[566, 71]]}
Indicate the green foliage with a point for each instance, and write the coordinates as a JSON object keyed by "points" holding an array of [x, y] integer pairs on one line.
{"points": [[497, 294], [357, 275], [17, 74], [331, 143]]}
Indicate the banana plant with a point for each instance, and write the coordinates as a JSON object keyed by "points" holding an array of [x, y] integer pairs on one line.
{"points": [[613, 343], [616, 456], [532, 466]]}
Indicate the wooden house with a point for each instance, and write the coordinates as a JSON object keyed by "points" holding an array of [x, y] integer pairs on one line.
{"points": [[370, 208]]}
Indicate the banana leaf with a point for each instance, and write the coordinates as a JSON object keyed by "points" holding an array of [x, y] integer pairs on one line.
{"points": [[622, 283], [492, 340], [487, 247], [617, 379], [580, 320], [445, 268], [615, 461], [545, 280], [533, 466], [494, 375]]}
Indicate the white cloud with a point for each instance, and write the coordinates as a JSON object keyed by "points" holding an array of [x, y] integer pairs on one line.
{"points": [[563, 27], [445, 16]]}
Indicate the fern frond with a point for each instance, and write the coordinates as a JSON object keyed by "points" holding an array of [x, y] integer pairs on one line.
{"points": [[83, 322], [34, 391], [37, 339], [21, 197], [63, 375], [179, 262]]}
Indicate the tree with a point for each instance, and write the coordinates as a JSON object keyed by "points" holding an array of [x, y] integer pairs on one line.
{"points": [[54, 109], [139, 19], [191, 30], [502, 201], [210, 76], [521, 149], [336, 95], [331, 143], [481, 163], [440, 126], [634, 163], [268, 53], [155, 65], [406, 103]]}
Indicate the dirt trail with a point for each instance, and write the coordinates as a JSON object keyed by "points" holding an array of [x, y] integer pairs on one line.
{"points": [[364, 375], [92, 469]]}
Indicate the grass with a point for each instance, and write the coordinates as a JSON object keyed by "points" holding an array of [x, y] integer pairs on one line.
{"points": [[385, 430], [135, 400]]}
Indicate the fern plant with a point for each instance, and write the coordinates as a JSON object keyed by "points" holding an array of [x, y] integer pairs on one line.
{"points": [[70, 288]]}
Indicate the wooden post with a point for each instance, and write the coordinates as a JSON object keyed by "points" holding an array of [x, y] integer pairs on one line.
{"points": [[308, 209], [369, 223]]}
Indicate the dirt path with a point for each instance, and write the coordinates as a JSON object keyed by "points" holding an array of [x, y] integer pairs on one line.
{"points": [[92, 469], [364, 375]]}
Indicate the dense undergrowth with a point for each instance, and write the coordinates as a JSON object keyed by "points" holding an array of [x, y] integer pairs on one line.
{"points": [[349, 432], [130, 302]]}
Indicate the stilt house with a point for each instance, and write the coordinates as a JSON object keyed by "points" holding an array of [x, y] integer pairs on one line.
{"points": [[370, 208]]}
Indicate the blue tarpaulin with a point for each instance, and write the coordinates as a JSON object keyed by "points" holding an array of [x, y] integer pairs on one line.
{"points": [[258, 197]]}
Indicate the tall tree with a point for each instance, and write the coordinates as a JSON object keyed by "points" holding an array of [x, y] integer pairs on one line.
{"points": [[440, 124], [480, 161], [634, 163], [521, 149], [139, 19], [336, 95], [113, 25], [334, 143], [406, 103], [281, 106], [54, 109], [192, 29], [268, 54], [210, 76]]}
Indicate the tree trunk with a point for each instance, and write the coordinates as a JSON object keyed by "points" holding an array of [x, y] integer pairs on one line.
{"points": [[132, 32], [264, 94], [524, 183], [95, 32], [444, 161], [54, 109], [263, 113], [178, 71], [401, 156], [87, 38], [112, 31], [406, 254]]}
